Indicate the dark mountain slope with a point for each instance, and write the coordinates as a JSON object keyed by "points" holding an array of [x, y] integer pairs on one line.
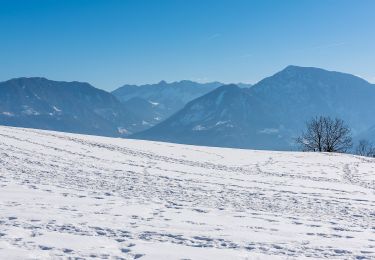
{"points": [[226, 117], [62, 106], [166, 98], [271, 113]]}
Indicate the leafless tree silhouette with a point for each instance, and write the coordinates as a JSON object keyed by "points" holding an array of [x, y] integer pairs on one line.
{"points": [[365, 148], [324, 134]]}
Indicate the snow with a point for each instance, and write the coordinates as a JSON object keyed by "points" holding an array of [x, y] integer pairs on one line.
{"points": [[221, 123], [153, 103], [69, 196], [56, 109], [199, 128], [30, 111], [226, 123], [269, 131], [123, 130], [5, 113]]}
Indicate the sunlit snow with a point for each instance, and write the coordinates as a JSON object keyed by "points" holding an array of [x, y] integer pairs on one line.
{"points": [[68, 195]]}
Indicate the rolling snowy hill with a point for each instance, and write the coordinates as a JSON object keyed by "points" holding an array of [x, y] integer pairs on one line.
{"points": [[69, 195]]}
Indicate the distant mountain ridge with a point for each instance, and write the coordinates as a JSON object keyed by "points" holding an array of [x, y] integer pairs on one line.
{"points": [[63, 106], [270, 113], [267, 115], [164, 99], [222, 117], [78, 107]]}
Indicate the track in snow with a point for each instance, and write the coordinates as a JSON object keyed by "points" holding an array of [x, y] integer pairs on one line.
{"points": [[66, 195]]}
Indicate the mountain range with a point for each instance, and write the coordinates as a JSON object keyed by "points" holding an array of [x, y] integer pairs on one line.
{"points": [[81, 108], [156, 102], [63, 106], [271, 113], [267, 115]]}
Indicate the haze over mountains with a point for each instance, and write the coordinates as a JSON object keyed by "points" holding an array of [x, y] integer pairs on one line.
{"points": [[63, 106], [81, 108], [267, 115], [272, 112], [157, 102]]}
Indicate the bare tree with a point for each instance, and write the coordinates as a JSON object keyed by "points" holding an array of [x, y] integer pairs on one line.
{"points": [[312, 138], [337, 135], [365, 148], [324, 134]]}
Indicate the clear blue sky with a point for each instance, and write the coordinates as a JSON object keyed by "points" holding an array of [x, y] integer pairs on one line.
{"points": [[109, 43]]}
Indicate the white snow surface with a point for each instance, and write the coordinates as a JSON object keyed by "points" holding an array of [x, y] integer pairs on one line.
{"points": [[68, 196]]}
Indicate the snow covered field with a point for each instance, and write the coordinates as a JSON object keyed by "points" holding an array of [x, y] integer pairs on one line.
{"points": [[66, 196]]}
